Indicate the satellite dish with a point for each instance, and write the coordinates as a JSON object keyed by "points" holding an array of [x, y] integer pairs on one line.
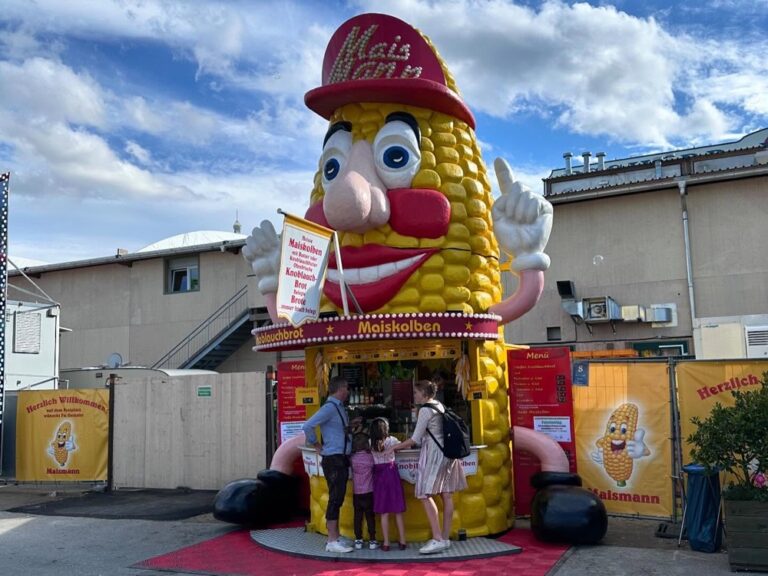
{"points": [[115, 360]]}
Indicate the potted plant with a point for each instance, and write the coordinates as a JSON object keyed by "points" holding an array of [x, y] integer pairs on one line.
{"points": [[734, 439]]}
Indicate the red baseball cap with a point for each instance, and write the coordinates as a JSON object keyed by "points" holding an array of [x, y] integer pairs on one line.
{"points": [[380, 58]]}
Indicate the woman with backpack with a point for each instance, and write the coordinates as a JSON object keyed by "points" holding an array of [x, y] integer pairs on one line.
{"points": [[436, 474]]}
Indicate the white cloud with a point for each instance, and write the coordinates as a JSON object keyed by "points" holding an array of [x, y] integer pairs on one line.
{"points": [[55, 159], [42, 89], [142, 155]]}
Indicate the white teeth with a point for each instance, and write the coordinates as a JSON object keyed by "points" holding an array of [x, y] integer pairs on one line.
{"points": [[354, 276]]}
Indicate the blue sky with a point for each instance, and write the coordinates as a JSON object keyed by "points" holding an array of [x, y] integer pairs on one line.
{"points": [[124, 122]]}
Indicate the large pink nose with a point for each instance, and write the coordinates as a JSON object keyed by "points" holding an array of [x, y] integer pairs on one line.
{"points": [[356, 200]]}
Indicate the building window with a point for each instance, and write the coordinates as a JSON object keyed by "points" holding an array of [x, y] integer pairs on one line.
{"points": [[182, 275], [554, 333]]}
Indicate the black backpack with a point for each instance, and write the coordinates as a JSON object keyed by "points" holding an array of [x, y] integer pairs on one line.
{"points": [[455, 433]]}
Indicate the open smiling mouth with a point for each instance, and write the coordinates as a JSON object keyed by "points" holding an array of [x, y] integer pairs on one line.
{"points": [[617, 445], [374, 273]]}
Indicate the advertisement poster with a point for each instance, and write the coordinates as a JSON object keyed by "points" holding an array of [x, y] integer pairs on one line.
{"points": [[303, 259], [291, 400], [702, 384], [62, 435], [540, 398], [623, 437]]}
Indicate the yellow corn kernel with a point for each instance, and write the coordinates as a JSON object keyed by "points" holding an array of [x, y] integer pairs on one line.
{"points": [[450, 172], [444, 139]]}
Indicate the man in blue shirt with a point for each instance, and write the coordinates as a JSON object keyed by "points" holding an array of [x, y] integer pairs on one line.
{"points": [[335, 449]]}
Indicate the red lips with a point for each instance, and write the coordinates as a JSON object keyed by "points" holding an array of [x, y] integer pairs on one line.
{"points": [[374, 273]]}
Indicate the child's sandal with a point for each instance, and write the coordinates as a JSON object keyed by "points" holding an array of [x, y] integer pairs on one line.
{"points": [[385, 547], [402, 546]]}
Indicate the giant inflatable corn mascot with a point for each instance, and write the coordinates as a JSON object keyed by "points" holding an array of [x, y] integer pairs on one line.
{"points": [[402, 181]]}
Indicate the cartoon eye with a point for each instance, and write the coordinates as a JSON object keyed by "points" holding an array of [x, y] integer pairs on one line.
{"points": [[612, 428], [334, 157], [396, 154], [623, 428]]}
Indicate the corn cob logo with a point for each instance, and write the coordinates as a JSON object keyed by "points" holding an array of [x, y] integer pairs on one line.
{"points": [[63, 443], [622, 444]]}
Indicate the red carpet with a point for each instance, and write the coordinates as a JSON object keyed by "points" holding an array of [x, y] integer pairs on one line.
{"points": [[235, 554]]}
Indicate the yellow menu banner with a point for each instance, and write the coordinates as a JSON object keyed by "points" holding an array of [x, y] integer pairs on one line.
{"points": [[624, 437], [62, 435]]}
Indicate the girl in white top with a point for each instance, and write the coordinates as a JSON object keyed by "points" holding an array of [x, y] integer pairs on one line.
{"points": [[436, 473]]}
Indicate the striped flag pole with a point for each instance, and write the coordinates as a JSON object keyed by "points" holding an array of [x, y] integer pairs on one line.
{"points": [[4, 182]]}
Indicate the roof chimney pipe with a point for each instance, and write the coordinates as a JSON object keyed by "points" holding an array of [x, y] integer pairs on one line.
{"points": [[585, 156], [600, 160], [568, 167]]}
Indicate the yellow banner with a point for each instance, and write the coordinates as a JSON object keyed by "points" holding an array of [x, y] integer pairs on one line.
{"points": [[623, 437], [62, 435], [702, 384], [303, 263]]}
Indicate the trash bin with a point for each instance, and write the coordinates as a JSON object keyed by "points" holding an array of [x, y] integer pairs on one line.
{"points": [[702, 511]]}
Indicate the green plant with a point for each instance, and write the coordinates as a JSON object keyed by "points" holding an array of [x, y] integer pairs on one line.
{"points": [[734, 439]]}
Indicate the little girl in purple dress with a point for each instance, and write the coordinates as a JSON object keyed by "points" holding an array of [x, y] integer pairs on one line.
{"points": [[388, 496]]}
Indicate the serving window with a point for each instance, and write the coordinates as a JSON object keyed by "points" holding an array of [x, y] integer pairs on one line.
{"points": [[381, 379]]}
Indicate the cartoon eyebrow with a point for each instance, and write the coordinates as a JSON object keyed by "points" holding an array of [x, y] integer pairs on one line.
{"points": [[335, 127], [408, 119]]}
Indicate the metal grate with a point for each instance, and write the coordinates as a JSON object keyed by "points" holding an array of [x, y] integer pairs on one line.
{"points": [[297, 542]]}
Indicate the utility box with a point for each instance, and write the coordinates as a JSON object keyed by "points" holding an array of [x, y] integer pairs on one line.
{"points": [[601, 309]]}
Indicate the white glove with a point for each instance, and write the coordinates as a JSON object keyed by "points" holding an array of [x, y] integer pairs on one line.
{"points": [[522, 221], [597, 456], [262, 251], [70, 444], [637, 448], [50, 450]]}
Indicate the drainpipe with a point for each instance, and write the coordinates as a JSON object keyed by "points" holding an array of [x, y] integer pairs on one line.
{"points": [[681, 184]]}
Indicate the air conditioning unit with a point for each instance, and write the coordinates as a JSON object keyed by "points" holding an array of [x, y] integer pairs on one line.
{"points": [[601, 309], [633, 313], [757, 341]]}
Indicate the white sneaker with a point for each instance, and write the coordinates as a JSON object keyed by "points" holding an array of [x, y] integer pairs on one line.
{"points": [[358, 544], [337, 547], [433, 546], [373, 545], [447, 543]]}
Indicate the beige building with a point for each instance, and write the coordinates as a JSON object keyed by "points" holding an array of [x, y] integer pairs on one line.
{"points": [[664, 254], [180, 303]]}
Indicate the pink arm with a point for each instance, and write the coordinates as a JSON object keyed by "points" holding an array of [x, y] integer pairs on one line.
{"points": [[287, 453], [548, 451], [529, 289]]}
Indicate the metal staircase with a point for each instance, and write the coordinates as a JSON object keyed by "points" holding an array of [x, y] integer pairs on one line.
{"points": [[215, 339]]}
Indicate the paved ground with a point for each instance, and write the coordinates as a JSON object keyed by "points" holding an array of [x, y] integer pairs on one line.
{"points": [[61, 546]]}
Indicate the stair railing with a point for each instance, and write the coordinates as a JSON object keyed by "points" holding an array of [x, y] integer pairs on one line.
{"points": [[232, 310]]}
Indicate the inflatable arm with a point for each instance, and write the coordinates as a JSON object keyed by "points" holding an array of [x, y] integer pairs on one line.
{"points": [[287, 453], [548, 451], [522, 222]]}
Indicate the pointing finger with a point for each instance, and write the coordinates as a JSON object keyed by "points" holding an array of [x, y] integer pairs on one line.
{"points": [[504, 175]]}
